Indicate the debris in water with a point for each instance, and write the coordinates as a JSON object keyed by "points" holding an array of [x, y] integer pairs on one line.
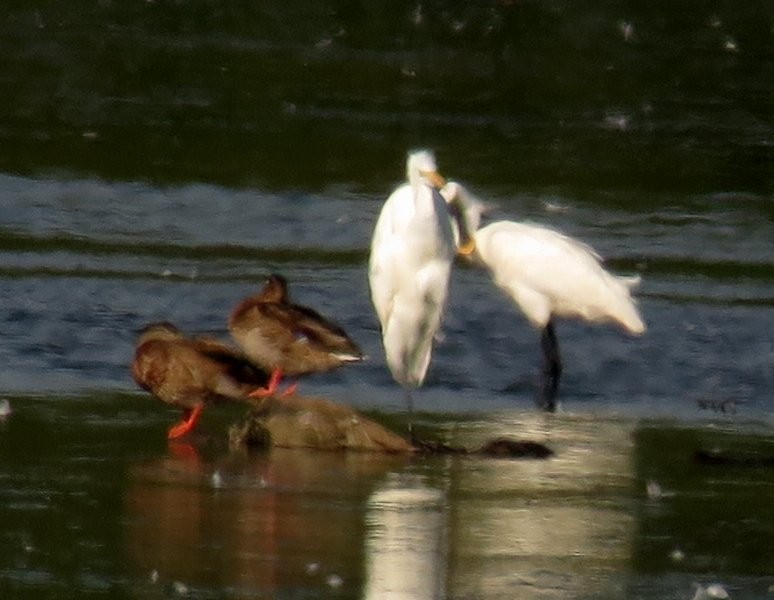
{"points": [[505, 447], [717, 458], [5, 409], [730, 45], [714, 590], [334, 581], [677, 555], [627, 30], [217, 480], [180, 588], [654, 490], [724, 405], [312, 568]]}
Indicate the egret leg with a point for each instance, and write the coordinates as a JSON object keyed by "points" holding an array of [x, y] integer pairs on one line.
{"points": [[552, 368], [410, 412]]}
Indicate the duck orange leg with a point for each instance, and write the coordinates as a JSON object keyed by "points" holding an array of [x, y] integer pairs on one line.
{"points": [[272, 387], [190, 419]]}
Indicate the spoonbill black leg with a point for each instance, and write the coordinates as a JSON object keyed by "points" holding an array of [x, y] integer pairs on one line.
{"points": [[552, 369]]}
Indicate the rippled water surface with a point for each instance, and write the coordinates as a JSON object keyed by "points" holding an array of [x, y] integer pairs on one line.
{"points": [[160, 159]]}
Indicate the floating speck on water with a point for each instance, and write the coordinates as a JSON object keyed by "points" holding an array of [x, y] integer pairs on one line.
{"points": [[616, 122], [166, 273], [154, 576], [180, 588], [5, 409], [716, 590], [626, 29], [654, 490], [217, 480], [730, 45], [677, 555], [554, 207], [312, 568], [334, 581], [712, 591]]}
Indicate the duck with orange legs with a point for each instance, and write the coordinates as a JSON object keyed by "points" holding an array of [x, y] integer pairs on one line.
{"points": [[286, 338], [191, 373]]}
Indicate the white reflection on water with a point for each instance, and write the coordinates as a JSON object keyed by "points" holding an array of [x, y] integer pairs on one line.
{"points": [[406, 543], [494, 528], [540, 529], [393, 527], [577, 525]]}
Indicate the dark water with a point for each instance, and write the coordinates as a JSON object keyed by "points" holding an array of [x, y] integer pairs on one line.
{"points": [[160, 158]]}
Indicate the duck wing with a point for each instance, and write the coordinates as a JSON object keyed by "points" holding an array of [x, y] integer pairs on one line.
{"points": [[233, 363], [305, 325]]}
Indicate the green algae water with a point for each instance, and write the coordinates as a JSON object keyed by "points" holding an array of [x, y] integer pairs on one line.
{"points": [[95, 503]]}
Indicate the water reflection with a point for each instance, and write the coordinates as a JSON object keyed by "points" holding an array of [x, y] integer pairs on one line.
{"points": [[407, 542], [392, 527], [541, 528], [303, 523], [251, 524]]}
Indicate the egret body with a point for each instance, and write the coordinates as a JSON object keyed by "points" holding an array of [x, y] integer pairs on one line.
{"points": [[412, 251]]}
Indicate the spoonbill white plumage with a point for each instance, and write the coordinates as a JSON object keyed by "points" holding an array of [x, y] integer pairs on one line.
{"points": [[548, 275], [412, 251]]}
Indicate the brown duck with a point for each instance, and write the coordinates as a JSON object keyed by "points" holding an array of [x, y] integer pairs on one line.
{"points": [[191, 372], [286, 338]]}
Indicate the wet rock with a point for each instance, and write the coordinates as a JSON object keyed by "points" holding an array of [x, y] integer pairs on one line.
{"points": [[304, 422], [715, 458]]}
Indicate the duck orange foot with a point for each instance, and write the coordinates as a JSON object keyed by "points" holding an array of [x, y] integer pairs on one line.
{"points": [[272, 387], [190, 419]]}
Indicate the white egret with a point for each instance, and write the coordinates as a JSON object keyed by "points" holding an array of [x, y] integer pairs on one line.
{"points": [[548, 275], [412, 251]]}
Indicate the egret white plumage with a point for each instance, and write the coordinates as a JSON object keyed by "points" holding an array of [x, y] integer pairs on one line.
{"points": [[548, 275], [411, 256]]}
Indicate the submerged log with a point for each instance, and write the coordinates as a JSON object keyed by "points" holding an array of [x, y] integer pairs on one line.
{"points": [[304, 422], [716, 458]]}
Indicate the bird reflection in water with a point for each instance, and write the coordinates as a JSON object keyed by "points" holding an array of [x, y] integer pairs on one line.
{"points": [[407, 542], [256, 523]]}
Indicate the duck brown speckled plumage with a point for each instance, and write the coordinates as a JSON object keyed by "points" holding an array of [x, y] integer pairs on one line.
{"points": [[287, 338], [191, 372]]}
